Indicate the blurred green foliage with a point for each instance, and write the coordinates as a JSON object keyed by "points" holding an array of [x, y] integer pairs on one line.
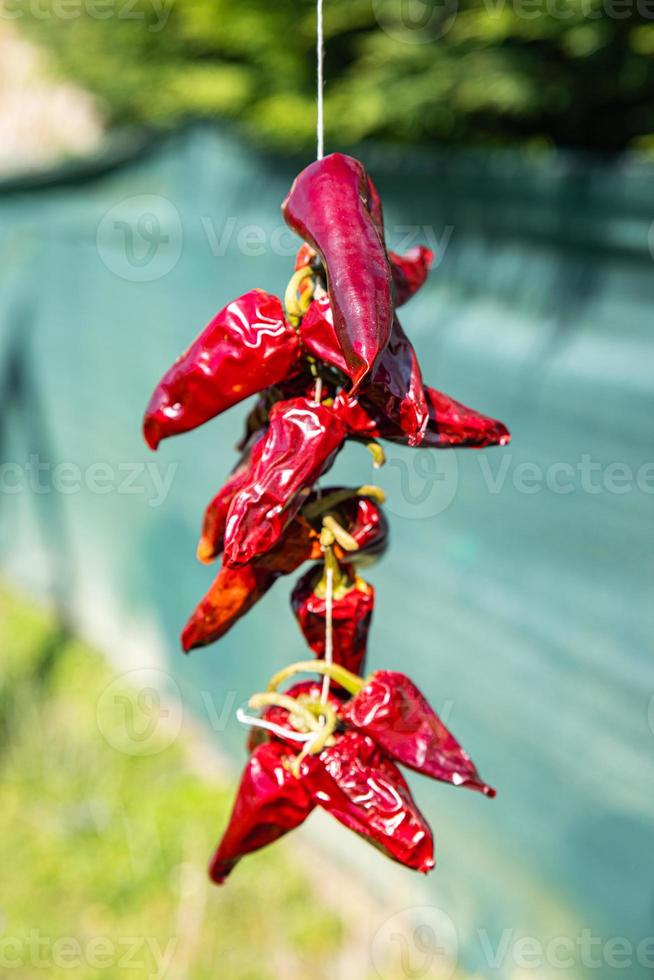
{"points": [[576, 73], [103, 852]]}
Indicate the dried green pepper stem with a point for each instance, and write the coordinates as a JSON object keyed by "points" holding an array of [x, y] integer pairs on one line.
{"points": [[352, 683]]}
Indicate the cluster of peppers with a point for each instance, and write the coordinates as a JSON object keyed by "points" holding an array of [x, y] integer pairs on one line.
{"points": [[329, 364]]}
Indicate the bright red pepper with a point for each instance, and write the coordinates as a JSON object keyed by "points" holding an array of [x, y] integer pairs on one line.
{"points": [[351, 772], [393, 712], [247, 347], [328, 207], [360, 786], [352, 607], [352, 779], [301, 442], [270, 802]]}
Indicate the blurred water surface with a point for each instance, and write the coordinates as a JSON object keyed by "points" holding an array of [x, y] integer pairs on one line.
{"points": [[517, 592]]}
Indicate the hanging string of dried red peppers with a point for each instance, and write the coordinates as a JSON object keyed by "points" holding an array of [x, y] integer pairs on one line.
{"points": [[330, 364]]}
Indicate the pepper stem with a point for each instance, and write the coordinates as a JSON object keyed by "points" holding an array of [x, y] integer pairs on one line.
{"points": [[268, 699], [295, 307], [351, 682]]}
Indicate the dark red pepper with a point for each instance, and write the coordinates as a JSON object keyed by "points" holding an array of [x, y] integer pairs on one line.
{"points": [[300, 443], [352, 607], [248, 346], [328, 207]]}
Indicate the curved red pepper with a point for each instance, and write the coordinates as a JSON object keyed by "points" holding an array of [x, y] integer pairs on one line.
{"points": [[270, 802], [328, 207], [393, 712], [355, 782], [232, 594], [352, 609], [247, 346], [300, 444], [410, 272], [235, 591]]}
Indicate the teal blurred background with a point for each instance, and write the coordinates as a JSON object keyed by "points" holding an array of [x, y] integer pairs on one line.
{"points": [[518, 589], [517, 592]]}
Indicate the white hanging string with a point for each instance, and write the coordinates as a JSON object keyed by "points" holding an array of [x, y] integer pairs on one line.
{"points": [[320, 47], [329, 629]]}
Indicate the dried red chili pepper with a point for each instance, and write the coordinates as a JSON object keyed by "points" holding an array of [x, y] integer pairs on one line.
{"points": [[393, 712], [248, 346], [300, 444], [355, 782], [270, 802], [328, 207], [235, 591], [351, 778], [352, 607], [395, 387]]}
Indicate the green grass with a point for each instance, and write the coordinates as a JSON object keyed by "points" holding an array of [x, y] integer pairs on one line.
{"points": [[103, 853]]}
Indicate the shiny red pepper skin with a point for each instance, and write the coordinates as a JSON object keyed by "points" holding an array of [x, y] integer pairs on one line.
{"points": [[394, 713], [247, 347], [301, 442], [452, 426], [355, 782], [328, 207], [395, 388], [351, 617], [270, 802]]}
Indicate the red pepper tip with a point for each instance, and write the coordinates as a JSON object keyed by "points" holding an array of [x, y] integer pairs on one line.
{"points": [[151, 432]]}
